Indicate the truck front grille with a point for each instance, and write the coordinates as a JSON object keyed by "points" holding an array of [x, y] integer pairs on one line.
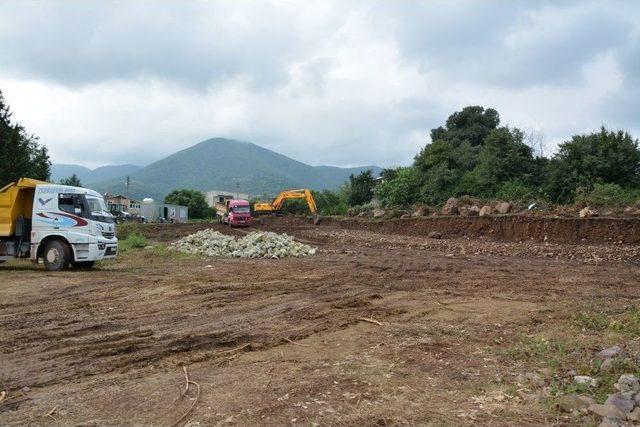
{"points": [[108, 234]]}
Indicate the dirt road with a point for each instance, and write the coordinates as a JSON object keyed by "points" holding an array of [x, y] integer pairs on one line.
{"points": [[283, 341]]}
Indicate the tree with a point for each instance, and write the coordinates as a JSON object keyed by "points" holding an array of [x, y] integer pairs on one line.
{"points": [[361, 188], [600, 157], [20, 153], [193, 199], [73, 181], [401, 190]]}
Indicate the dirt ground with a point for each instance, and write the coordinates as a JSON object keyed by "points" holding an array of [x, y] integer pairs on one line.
{"points": [[452, 325]]}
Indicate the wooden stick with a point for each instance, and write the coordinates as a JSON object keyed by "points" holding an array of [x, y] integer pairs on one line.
{"points": [[195, 401], [367, 319], [296, 343], [50, 414]]}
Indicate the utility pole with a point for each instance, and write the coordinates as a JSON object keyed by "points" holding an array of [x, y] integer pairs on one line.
{"points": [[127, 182]]}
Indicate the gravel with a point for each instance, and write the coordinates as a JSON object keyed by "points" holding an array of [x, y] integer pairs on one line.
{"points": [[257, 244]]}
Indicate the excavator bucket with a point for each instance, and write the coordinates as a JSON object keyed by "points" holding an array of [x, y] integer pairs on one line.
{"points": [[316, 219]]}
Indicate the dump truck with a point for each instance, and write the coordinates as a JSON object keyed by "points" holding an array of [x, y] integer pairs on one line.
{"points": [[235, 212], [58, 224], [276, 204]]}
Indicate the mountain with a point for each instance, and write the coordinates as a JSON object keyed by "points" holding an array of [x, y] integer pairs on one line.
{"points": [[226, 164], [91, 176]]}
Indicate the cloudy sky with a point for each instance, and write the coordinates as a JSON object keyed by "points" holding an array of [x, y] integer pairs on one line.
{"points": [[325, 82]]}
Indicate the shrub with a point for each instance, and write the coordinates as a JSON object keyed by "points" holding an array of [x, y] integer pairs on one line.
{"points": [[606, 195], [136, 240], [516, 190], [402, 190]]}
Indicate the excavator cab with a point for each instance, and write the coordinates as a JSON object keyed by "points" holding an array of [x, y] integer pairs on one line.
{"points": [[276, 205]]}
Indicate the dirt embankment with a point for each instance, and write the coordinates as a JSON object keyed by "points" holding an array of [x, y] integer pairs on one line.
{"points": [[510, 228]]}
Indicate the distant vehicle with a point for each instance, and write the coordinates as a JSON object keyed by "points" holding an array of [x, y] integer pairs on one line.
{"points": [[276, 204], [235, 212], [122, 216], [59, 223]]}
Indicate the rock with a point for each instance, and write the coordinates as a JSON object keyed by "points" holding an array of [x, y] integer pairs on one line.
{"points": [[587, 213], [620, 401], [421, 211], [606, 411], [485, 211], [531, 378], [606, 365], [351, 212], [627, 382], [253, 245], [503, 208], [609, 352], [612, 422], [469, 211], [634, 415], [403, 216], [391, 213], [378, 213], [451, 207], [574, 402], [434, 235], [631, 211], [585, 380], [26, 389]]}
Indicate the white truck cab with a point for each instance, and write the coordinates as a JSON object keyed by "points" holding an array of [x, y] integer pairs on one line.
{"points": [[78, 216], [59, 224]]}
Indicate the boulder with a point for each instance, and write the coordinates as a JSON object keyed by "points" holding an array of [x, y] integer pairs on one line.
{"points": [[621, 401], [434, 235], [473, 211], [503, 208], [574, 402], [485, 211], [403, 216], [634, 415], [631, 211], [606, 365], [609, 352], [421, 211], [606, 411], [587, 213], [451, 207], [391, 213], [379, 213], [627, 382], [585, 380]]}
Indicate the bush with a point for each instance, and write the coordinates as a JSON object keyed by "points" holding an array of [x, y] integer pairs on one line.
{"points": [[136, 240], [611, 195], [402, 190], [516, 190]]}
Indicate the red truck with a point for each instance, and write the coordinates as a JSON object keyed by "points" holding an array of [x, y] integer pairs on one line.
{"points": [[235, 212]]}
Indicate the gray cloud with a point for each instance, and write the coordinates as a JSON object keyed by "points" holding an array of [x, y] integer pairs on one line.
{"points": [[333, 82]]}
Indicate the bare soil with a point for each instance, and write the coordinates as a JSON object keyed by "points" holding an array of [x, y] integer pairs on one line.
{"points": [[283, 342]]}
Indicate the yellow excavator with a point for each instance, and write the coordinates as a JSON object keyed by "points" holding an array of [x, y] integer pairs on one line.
{"points": [[276, 205]]}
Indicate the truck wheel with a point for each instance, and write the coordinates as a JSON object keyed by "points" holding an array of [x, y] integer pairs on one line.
{"points": [[83, 264], [56, 255]]}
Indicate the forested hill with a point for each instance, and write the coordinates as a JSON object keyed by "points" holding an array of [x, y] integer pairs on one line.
{"points": [[226, 164]]}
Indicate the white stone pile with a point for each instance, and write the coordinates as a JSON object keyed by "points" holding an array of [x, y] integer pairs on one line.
{"points": [[257, 244]]}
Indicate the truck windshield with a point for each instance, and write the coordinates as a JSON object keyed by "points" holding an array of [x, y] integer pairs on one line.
{"points": [[96, 204], [98, 209], [241, 209]]}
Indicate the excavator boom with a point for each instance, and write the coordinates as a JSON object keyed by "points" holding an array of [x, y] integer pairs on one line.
{"points": [[276, 205]]}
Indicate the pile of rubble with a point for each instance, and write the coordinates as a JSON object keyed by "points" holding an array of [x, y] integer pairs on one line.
{"points": [[254, 245]]}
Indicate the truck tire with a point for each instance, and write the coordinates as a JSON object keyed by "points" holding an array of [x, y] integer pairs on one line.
{"points": [[56, 255], [84, 265]]}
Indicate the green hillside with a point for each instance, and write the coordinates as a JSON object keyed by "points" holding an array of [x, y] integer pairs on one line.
{"points": [[225, 164], [89, 176]]}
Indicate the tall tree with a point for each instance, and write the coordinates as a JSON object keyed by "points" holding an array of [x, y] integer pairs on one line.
{"points": [[193, 199], [361, 188], [20, 153], [72, 180]]}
